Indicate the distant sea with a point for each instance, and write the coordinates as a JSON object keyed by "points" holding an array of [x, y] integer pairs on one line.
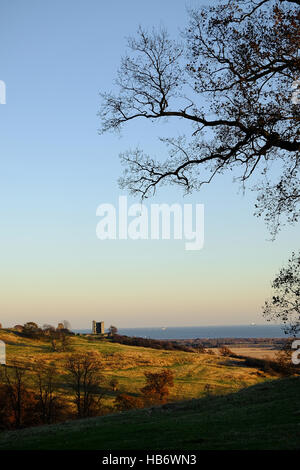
{"points": [[192, 332]]}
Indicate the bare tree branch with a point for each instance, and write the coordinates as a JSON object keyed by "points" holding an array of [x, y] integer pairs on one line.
{"points": [[242, 59]]}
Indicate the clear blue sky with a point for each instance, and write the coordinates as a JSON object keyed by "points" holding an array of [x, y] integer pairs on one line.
{"points": [[55, 170]]}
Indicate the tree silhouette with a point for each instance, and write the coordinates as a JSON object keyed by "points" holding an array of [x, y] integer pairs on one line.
{"points": [[231, 78], [284, 306], [85, 380]]}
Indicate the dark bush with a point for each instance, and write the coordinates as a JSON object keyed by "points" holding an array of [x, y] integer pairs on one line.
{"points": [[150, 343]]}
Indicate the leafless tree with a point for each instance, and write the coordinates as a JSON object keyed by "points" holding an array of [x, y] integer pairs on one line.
{"points": [[13, 377], [85, 380], [60, 339], [231, 78], [50, 405], [65, 341]]}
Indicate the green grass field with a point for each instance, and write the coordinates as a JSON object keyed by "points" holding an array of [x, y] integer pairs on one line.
{"points": [[264, 416]]}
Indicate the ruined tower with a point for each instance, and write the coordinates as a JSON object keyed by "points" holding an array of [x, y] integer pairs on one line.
{"points": [[97, 327]]}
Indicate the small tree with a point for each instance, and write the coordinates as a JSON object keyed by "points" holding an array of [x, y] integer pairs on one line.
{"points": [[50, 406], [200, 348], [31, 330], [284, 306], [114, 383], [85, 380], [53, 335], [124, 402], [225, 351], [283, 359], [47, 328], [65, 340], [17, 395], [208, 390], [112, 330], [31, 325], [158, 385], [59, 338]]}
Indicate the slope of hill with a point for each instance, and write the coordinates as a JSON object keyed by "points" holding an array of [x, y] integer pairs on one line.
{"points": [[244, 409], [264, 416], [128, 364]]}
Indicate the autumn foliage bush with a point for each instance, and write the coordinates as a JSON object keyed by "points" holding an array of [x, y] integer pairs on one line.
{"points": [[21, 406], [156, 391], [225, 351], [158, 386], [125, 402]]}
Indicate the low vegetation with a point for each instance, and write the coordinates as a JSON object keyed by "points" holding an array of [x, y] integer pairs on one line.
{"points": [[151, 343], [263, 416], [88, 376]]}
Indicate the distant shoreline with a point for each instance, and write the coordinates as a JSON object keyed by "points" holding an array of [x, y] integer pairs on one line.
{"points": [[202, 332]]}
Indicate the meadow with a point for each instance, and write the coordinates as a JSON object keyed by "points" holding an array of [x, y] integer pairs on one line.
{"points": [[128, 364], [217, 401], [261, 417]]}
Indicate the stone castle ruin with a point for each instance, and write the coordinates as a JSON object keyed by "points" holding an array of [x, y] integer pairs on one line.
{"points": [[97, 327]]}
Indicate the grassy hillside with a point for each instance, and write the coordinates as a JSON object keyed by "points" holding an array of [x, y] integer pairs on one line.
{"points": [[129, 363], [246, 409], [264, 416]]}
